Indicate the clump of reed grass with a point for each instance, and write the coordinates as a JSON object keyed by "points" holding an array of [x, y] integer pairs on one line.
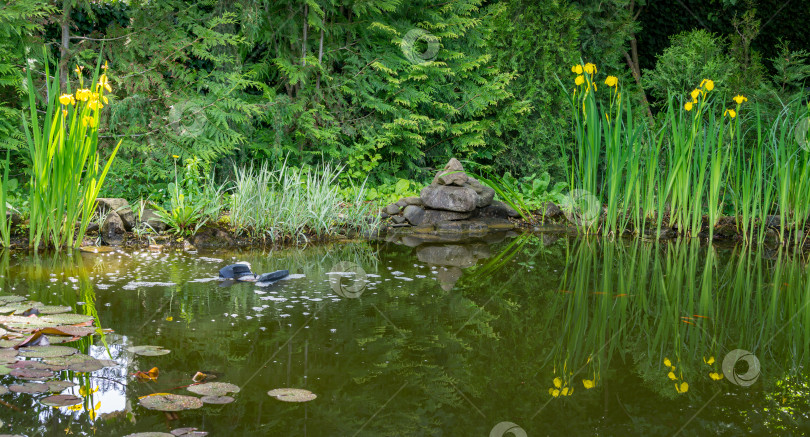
{"points": [[296, 203]]}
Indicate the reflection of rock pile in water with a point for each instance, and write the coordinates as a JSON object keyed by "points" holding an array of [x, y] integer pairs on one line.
{"points": [[451, 259]]}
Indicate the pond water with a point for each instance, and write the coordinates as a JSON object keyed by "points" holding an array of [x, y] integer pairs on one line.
{"points": [[457, 339]]}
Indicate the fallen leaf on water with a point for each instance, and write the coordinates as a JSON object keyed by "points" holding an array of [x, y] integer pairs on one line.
{"points": [[151, 375]]}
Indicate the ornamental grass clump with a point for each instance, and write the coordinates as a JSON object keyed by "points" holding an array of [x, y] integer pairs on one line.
{"points": [[66, 172]]}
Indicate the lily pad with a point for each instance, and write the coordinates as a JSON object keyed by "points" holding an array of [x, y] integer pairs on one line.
{"points": [[96, 249], [11, 299], [170, 402], [218, 400], [54, 309], [66, 319], [32, 374], [5, 343], [57, 386], [292, 394], [47, 351], [29, 387], [148, 351], [61, 400], [4, 370], [78, 363], [188, 432], [150, 434], [70, 331], [4, 390], [213, 389]]}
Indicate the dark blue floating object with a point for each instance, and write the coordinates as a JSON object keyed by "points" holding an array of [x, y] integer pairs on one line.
{"points": [[272, 277], [235, 271]]}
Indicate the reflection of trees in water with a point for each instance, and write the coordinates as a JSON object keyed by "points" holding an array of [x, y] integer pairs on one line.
{"points": [[422, 360]]}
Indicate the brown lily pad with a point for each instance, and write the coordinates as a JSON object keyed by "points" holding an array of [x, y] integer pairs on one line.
{"points": [[77, 362], [218, 400], [4, 390], [292, 394], [47, 351], [32, 374], [213, 388], [188, 432], [61, 400], [66, 319], [29, 387], [170, 402]]}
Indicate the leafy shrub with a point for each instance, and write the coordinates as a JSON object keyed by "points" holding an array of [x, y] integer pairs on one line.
{"points": [[691, 57]]}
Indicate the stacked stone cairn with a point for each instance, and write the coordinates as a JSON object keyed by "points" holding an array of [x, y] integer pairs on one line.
{"points": [[453, 202]]}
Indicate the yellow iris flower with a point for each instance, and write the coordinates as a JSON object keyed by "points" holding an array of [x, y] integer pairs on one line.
{"points": [[83, 95], [739, 98], [708, 84], [576, 69], [688, 106], [579, 80], [104, 83], [67, 99], [695, 94], [590, 68], [611, 81], [731, 113]]}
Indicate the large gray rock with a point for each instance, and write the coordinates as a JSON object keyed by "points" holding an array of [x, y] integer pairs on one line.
{"points": [[112, 231], [452, 174], [485, 193], [121, 207], [499, 209], [449, 198], [413, 200], [392, 209], [414, 214], [433, 216], [151, 219]]}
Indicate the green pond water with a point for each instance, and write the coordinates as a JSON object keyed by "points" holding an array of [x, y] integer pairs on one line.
{"points": [[456, 339]]}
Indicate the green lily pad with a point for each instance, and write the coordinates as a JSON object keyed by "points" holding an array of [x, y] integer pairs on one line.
{"points": [[32, 374], [20, 323], [61, 400], [5, 370], [66, 319], [170, 402], [148, 351], [47, 351], [6, 343], [217, 400], [57, 386], [292, 394], [11, 299], [213, 388], [54, 309], [70, 360], [29, 387]]}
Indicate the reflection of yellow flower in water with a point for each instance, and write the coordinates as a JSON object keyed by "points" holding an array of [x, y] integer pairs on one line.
{"points": [[672, 376], [716, 376], [667, 362], [682, 387], [77, 407], [589, 383], [84, 392], [710, 361], [92, 412]]}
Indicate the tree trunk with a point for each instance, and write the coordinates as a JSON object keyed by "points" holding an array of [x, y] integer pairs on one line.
{"points": [[63, 48]]}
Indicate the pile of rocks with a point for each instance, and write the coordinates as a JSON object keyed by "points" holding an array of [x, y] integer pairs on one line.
{"points": [[119, 219], [453, 202]]}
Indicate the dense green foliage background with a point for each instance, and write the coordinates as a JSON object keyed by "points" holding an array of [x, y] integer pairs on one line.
{"points": [[248, 81]]}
